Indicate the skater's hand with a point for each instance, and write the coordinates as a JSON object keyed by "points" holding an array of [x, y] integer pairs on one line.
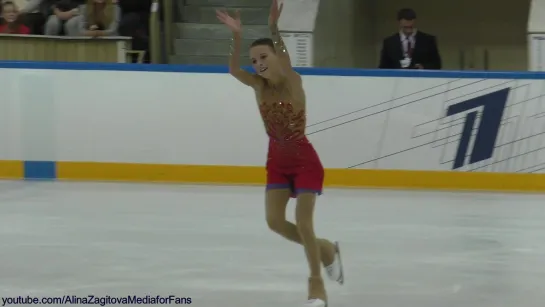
{"points": [[275, 12], [233, 24]]}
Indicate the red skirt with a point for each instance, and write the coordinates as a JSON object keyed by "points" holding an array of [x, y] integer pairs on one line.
{"points": [[294, 165]]}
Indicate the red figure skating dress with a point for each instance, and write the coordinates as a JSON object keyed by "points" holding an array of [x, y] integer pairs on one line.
{"points": [[292, 161]]}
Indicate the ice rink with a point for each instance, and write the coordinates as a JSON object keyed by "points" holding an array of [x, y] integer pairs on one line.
{"points": [[400, 248]]}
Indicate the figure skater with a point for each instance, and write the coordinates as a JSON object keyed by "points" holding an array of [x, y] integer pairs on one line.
{"points": [[293, 166]]}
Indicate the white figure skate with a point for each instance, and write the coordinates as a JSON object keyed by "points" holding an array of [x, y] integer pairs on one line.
{"points": [[335, 270], [315, 303]]}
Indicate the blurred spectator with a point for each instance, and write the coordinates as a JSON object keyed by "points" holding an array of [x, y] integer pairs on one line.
{"points": [[409, 48], [135, 23], [36, 13], [100, 18], [30, 15], [65, 16], [11, 24]]}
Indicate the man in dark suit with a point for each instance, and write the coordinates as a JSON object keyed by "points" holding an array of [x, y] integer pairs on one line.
{"points": [[409, 49]]}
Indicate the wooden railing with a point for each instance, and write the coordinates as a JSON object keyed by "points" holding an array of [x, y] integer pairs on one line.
{"points": [[66, 49]]}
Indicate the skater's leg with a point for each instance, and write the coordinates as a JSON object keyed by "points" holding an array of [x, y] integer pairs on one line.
{"points": [[304, 216], [309, 184], [280, 188], [276, 202]]}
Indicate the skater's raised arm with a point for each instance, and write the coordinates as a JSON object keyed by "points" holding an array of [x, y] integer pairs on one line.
{"points": [[235, 25], [279, 46], [234, 63]]}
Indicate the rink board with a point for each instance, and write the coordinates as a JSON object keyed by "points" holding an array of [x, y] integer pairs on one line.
{"points": [[196, 124]]}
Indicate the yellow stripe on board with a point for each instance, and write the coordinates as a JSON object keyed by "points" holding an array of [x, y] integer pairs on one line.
{"points": [[10, 169], [435, 180], [160, 173], [349, 178]]}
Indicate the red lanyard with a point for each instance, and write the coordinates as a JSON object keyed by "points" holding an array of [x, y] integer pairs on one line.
{"points": [[410, 47]]}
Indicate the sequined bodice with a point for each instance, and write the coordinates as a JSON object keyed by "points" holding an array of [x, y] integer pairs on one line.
{"points": [[283, 121]]}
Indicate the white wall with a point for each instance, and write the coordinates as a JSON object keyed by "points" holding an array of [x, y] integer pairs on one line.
{"points": [[536, 21], [210, 119], [343, 32], [298, 15], [333, 35]]}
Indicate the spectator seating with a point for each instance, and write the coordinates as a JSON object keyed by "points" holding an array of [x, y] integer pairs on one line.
{"points": [[130, 43]]}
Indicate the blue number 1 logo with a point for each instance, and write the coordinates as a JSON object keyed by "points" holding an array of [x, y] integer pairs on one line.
{"points": [[483, 148]]}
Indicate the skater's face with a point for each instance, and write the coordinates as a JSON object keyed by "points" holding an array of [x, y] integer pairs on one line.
{"points": [[264, 60]]}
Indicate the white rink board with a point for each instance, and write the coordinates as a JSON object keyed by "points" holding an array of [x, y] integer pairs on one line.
{"points": [[210, 119], [10, 118]]}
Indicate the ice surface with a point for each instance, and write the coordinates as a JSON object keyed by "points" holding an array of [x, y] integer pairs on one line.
{"points": [[400, 248]]}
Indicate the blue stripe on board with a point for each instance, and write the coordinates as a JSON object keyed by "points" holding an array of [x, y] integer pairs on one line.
{"points": [[40, 170], [304, 71]]}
